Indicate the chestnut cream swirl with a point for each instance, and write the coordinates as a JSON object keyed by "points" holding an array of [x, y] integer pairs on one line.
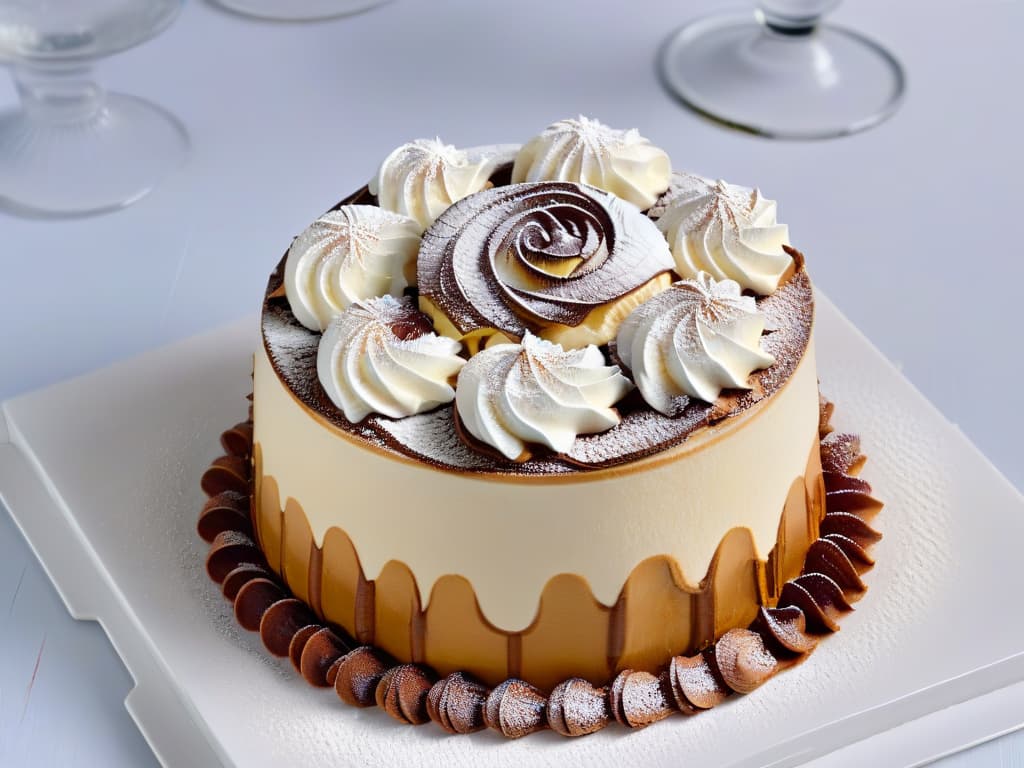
{"points": [[380, 356], [563, 260], [694, 340], [512, 395]]}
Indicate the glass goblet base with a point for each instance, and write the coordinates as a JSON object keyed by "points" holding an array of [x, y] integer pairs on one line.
{"points": [[298, 10], [82, 164], [787, 84]]}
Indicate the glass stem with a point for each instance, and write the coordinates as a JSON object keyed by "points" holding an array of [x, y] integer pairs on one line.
{"points": [[793, 18], [58, 92]]}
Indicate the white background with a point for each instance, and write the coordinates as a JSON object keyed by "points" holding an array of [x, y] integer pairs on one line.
{"points": [[912, 228]]}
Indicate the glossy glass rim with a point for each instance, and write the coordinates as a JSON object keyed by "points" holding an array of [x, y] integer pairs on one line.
{"points": [[86, 55], [692, 29], [236, 8]]}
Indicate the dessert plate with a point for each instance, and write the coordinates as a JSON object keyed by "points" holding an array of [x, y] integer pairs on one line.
{"points": [[101, 473]]}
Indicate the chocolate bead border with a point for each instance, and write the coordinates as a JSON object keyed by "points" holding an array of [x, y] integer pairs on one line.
{"points": [[808, 609]]}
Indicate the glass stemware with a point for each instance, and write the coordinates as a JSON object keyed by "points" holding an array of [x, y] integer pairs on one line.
{"points": [[781, 72], [70, 148], [298, 10]]}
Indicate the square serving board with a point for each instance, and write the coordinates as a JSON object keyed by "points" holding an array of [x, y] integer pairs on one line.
{"points": [[101, 473]]}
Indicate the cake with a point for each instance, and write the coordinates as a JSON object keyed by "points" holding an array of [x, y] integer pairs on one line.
{"points": [[536, 431]]}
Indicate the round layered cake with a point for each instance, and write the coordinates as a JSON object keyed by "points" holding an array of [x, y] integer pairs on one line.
{"points": [[539, 412]]}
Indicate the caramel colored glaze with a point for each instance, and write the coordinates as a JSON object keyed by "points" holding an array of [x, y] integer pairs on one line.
{"points": [[569, 637], [338, 579], [396, 611], [267, 523], [733, 590], [296, 540], [658, 613], [451, 643], [657, 618]]}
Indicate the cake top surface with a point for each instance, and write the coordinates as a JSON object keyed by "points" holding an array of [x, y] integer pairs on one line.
{"points": [[568, 305]]}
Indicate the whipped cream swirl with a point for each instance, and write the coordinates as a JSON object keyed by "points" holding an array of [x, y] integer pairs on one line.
{"points": [[583, 150], [694, 339], [513, 395], [352, 253], [422, 178], [725, 230], [380, 356], [555, 258]]}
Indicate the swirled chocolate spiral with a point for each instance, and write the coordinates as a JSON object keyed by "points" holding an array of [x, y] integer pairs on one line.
{"points": [[563, 260]]}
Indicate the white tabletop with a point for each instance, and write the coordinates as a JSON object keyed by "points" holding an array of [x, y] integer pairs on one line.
{"points": [[908, 227]]}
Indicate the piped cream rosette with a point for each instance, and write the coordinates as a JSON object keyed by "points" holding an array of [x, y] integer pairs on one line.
{"points": [[527, 280], [693, 340], [589, 152], [380, 356], [512, 396], [422, 178], [355, 252], [728, 231]]}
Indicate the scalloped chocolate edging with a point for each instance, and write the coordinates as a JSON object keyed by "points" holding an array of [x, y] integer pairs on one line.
{"points": [[809, 608]]}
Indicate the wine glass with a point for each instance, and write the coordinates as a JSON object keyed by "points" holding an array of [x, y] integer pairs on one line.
{"points": [[70, 148], [298, 10], [781, 72]]}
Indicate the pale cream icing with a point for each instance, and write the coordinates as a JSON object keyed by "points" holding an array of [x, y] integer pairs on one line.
{"points": [[422, 178], [352, 253], [508, 538], [695, 339], [728, 231], [375, 358], [512, 395], [587, 151]]}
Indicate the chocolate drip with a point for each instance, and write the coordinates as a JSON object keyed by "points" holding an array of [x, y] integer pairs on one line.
{"points": [[616, 631], [316, 570], [417, 634], [365, 610]]}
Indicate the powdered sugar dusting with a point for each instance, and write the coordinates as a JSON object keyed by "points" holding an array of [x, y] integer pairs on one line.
{"points": [[432, 437]]}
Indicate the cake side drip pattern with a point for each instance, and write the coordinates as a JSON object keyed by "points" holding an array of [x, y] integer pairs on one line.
{"points": [[659, 610], [809, 607]]}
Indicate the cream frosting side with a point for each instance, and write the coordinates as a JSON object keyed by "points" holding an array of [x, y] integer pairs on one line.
{"points": [[352, 253], [728, 231], [379, 356], [696, 338], [424, 177], [587, 151], [508, 538], [514, 395]]}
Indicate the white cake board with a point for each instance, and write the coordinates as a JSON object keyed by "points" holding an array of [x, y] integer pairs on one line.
{"points": [[101, 473]]}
